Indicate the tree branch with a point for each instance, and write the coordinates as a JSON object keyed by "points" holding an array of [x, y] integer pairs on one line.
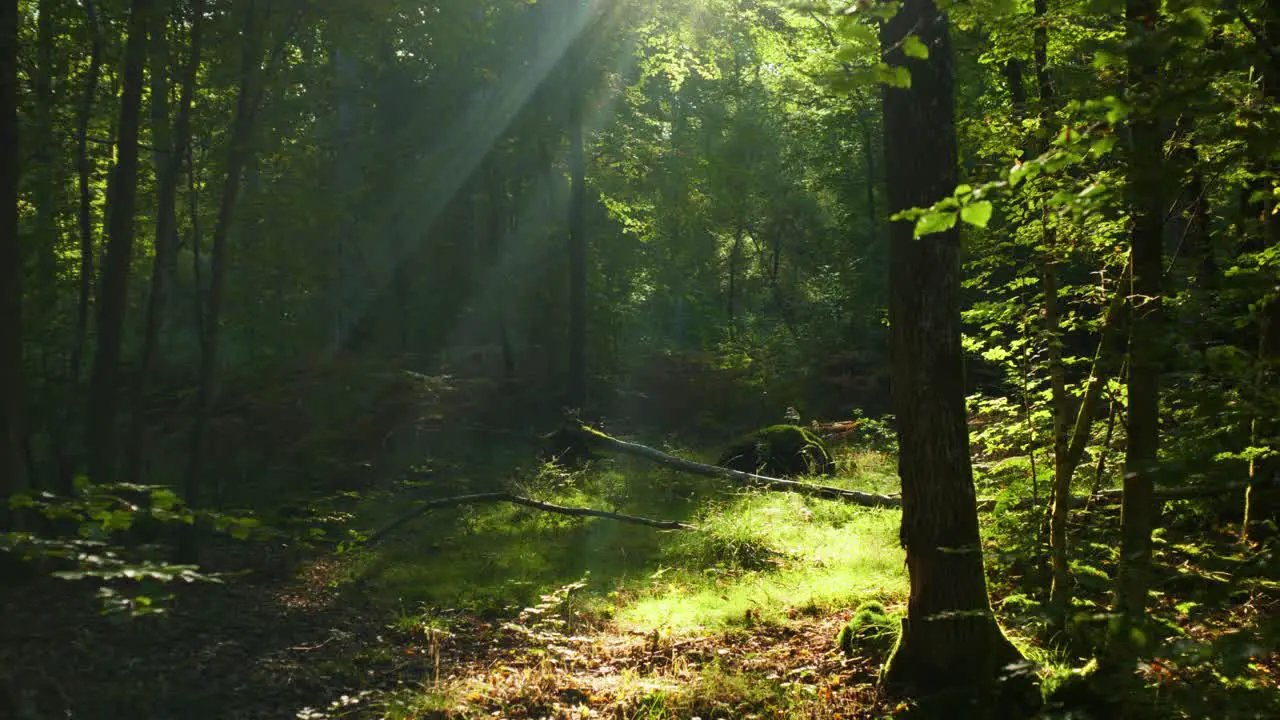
{"points": [[496, 497]]}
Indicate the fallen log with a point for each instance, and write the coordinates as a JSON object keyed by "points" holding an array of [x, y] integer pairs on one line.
{"points": [[856, 497], [494, 497]]}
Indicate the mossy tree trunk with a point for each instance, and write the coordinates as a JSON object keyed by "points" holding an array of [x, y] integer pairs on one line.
{"points": [[950, 640]]}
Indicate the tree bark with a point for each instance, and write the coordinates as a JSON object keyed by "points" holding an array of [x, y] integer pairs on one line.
{"points": [[104, 384], [1139, 508], [950, 639], [238, 154], [12, 456]]}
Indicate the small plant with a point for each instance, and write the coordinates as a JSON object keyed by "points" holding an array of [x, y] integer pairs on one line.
{"points": [[545, 623]]}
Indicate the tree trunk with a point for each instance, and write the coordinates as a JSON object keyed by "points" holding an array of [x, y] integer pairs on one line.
{"points": [[1059, 402], [734, 251], [171, 148], [12, 457], [1262, 499], [950, 639], [238, 154], [85, 215], [104, 384], [44, 162], [1139, 507], [577, 382]]}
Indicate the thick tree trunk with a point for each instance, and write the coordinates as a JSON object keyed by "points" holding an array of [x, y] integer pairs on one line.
{"points": [[1138, 510], [171, 148], [105, 382], [238, 155], [577, 381], [950, 639], [12, 457]]}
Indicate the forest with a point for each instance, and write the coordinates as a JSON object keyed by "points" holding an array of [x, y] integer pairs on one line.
{"points": [[639, 359]]}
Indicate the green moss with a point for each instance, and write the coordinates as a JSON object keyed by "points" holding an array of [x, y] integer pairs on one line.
{"points": [[779, 451], [869, 632]]}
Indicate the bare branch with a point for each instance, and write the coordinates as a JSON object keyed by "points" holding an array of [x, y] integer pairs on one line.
{"points": [[496, 497]]}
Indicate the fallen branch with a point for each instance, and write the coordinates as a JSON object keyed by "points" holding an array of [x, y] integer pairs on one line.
{"points": [[599, 439], [495, 497], [856, 497]]}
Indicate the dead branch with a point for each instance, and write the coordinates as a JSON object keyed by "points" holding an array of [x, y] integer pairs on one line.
{"points": [[599, 439], [496, 497], [828, 492]]}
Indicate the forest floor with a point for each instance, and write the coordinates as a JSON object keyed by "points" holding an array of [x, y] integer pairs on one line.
{"points": [[508, 612]]}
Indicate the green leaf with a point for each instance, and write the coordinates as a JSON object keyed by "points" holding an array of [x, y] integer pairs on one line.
{"points": [[899, 76], [1102, 146], [914, 48], [977, 213], [934, 222]]}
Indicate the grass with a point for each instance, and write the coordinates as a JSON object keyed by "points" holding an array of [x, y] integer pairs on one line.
{"points": [[756, 556], [763, 557]]}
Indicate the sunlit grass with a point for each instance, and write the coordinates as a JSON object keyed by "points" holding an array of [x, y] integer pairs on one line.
{"points": [[779, 555], [756, 556]]}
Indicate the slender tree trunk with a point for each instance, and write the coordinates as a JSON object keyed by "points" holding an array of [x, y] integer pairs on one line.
{"points": [[85, 215], [734, 251], [44, 164], [238, 155], [12, 442], [104, 384], [577, 385], [950, 639], [1059, 402], [1262, 498], [171, 149], [872, 177], [1138, 510]]}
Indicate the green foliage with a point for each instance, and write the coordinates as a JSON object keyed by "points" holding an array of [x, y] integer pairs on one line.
{"points": [[103, 549]]}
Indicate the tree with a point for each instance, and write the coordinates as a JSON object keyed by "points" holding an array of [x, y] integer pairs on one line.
{"points": [[1262, 499], [105, 382], [950, 639], [12, 464], [237, 157], [1146, 241], [172, 149]]}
